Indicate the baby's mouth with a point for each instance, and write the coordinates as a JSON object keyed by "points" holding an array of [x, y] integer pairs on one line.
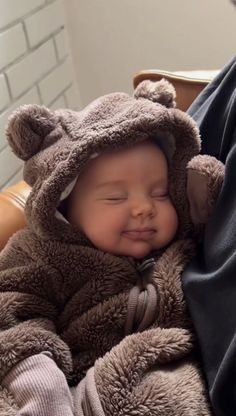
{"points": [[139, 234]]}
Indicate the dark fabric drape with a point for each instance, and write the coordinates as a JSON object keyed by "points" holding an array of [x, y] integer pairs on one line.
{"points": [[209, 282]]}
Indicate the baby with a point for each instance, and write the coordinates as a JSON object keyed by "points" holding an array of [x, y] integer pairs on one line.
{"points": [[90, 291], [121, 202]]}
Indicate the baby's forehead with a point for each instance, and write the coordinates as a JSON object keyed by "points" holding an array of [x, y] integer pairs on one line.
{"points": [[142, 161]]}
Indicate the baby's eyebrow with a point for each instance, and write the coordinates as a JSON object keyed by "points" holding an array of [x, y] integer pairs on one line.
{"points": [[109, 183], [157, 183], [161, 182]]}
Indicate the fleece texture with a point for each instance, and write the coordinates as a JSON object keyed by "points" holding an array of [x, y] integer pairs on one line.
{"points": [[61, 295]]}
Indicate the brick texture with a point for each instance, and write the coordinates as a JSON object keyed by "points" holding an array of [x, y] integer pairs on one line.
{"points": [[4, 93], [35, 67], [44, 22], [12, 45], [11, 10]]}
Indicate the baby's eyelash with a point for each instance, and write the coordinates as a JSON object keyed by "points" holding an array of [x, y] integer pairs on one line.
{"points": [[160, 194], [120, 198]]}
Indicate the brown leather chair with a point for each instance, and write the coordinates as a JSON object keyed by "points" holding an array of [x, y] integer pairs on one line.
{"points": [[12, 218], [188, 85]]}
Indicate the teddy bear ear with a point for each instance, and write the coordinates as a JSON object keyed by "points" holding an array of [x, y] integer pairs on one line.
{"points": [[27, 127], [161, 92]]}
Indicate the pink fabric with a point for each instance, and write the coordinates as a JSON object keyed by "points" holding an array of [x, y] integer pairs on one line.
{"points": [[39, 387], [87, 400]]}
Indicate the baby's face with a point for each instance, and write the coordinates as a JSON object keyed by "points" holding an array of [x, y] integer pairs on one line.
{"points": [[121, 201]]}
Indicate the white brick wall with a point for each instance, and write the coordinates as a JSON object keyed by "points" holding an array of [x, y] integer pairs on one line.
{"points": [[61, 44], [12, 45], [11, 10], [4, 93], [35, 67], [56, 82], [45, 22]]}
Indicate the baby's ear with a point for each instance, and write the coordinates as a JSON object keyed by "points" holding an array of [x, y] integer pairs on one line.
{"points": [[204, 182], [27, 127]]}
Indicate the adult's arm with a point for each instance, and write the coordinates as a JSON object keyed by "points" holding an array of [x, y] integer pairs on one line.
{"points": [[209, 282]]}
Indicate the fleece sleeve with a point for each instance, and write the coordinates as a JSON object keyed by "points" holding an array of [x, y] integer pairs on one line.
{"points": [[29, 308]]}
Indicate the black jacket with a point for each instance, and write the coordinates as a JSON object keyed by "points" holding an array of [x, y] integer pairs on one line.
{"points": [[210, 281]]}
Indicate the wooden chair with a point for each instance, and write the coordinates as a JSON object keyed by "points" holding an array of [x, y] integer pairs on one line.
{"points": [[12, 218], [188, 85]]}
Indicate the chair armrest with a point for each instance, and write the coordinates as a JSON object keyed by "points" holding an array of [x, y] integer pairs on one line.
{"points": [[188, 84], [12, 217]]}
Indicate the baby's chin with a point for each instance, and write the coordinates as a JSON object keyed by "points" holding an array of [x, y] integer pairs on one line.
{"points": [[137, 252]]}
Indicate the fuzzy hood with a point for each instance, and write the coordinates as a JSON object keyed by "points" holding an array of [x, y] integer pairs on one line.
{"points": [[57, 145]]}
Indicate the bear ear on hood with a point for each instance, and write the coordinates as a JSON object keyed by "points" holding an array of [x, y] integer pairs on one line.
{"points": [[161, 92], [205, 176], [27, 128]]}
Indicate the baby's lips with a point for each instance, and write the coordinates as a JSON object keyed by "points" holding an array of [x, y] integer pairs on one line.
{"points": [[139, 234]]}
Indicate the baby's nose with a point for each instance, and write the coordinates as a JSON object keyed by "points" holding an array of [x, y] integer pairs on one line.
{"points": [[143, 208]]}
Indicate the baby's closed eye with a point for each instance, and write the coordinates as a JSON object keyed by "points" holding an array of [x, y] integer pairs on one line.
{"points": [[160, 193], [114, 197]]}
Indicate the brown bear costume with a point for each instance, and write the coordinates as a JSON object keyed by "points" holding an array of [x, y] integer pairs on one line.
{"points": [[124, 321]]}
